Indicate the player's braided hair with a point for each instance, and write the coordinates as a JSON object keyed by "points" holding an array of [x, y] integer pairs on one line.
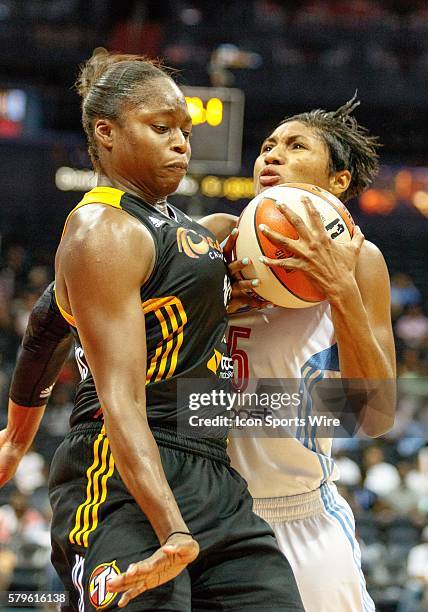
{"points": [[107, 81], [350, 145]]}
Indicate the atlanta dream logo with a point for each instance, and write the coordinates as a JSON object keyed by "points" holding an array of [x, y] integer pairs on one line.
{"points": [[99, 596]]}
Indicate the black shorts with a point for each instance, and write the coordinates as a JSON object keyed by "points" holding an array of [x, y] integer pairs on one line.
{"points": [[98, 530]]}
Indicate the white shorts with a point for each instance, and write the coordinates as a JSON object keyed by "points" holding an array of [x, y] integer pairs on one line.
{"points": [[316, 532]]}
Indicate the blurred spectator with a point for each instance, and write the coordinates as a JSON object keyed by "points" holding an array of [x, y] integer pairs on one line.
{"points": [[411, 365], [416, 593], [22, 308], [350, 473], [56, 420], [31, 472], [412, 327], [403, 293], [9, 339], [403, 499], [7, 565], [269, 13], [17, 517], [38, 279], [14, 271], [227, 57], [382, 478], [355, 12]]}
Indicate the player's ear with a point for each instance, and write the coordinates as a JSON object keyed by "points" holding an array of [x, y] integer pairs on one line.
{"points": [[103, 132], [339, 182]]}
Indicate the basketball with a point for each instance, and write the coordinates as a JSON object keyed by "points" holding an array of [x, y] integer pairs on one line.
{"points": [[287, 288]]}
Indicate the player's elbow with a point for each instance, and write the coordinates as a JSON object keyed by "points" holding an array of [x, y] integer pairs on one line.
{"points": [[376, 427]]}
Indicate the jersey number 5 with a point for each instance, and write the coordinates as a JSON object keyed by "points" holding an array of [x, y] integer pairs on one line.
{"points": [[239, 356]]}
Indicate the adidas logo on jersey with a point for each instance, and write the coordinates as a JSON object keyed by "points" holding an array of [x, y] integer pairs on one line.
{"points": [[46, 392], [156, 222]]}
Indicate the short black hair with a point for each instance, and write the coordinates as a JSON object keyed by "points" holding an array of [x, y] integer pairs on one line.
{"points": [[350, 145], [109, 80]]}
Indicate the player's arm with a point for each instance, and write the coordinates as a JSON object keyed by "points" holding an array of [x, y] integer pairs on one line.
{"points": [[362, 321], [45, 347], [355, 280], [103, 259], [220, 224], [223, 226]]}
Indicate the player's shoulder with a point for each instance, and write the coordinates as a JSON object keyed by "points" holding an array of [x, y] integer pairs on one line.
{"points": [[371, 269], [370, 252], [370, 255], [98, 226]]}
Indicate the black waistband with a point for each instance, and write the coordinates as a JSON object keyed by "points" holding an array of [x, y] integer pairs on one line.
{"points": [[167, 436]]}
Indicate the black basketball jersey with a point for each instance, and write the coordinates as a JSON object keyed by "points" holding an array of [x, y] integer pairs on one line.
{"points": [[184, 303]]}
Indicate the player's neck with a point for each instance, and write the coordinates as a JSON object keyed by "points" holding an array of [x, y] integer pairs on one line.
{"points": [[161, 205]]}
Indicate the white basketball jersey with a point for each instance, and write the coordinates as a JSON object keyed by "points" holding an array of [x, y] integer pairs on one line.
{"points": [[285, 344]]}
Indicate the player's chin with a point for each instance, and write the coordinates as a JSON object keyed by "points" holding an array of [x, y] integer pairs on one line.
{"points": [[170, 185]]}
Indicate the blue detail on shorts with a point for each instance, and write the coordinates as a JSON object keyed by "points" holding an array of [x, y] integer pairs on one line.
{"points": [[343, 515]]}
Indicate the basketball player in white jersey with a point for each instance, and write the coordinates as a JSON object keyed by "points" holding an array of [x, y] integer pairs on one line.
{"points": [[292, 479]]}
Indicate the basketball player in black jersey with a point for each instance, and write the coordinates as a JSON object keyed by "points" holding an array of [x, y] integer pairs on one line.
{"points": [[138, 508]]}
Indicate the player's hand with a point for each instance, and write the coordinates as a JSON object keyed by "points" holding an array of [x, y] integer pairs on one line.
{"points": [[243, 294], [10, 456], [164, 565], [329, 264]]}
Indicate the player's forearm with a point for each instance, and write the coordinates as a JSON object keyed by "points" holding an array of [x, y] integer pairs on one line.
{"points": [[360, 354], [362, 357], [137, 458], [22, 425]]}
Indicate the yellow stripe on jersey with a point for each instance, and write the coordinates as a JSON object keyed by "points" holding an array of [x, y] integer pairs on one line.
{"points": [[97, 475], [168, 349], [68, 317], [99, 195]]}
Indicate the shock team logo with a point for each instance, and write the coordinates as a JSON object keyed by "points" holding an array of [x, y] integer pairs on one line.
{"points": [[99, 596], [193, 244]]}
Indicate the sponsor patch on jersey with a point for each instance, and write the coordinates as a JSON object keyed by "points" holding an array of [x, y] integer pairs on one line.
{"points": [[214, 361], [220, 364], [195, 245], [99, 597]]}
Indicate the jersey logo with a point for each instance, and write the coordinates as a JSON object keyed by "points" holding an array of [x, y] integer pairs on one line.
{"points": [[157, 222], [99, 596], [214, 361], [225, 363], [46, 392], [81, 364], [194, 245]]}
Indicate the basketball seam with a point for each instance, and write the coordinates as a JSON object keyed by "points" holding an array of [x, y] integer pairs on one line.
{"points": [[271, 269]]}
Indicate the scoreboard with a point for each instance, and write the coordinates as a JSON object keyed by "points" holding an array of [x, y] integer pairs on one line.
{"points": [[217, 116]]}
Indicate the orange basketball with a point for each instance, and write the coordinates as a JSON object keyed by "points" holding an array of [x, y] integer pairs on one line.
{"points": [[287, 288]]}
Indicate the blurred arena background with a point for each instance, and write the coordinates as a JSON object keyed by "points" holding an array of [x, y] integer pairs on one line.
{"points": [[282, 58]]}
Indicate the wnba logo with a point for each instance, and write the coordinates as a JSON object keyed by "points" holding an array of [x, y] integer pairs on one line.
{"points": [[193, 244], [98, 594]]}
